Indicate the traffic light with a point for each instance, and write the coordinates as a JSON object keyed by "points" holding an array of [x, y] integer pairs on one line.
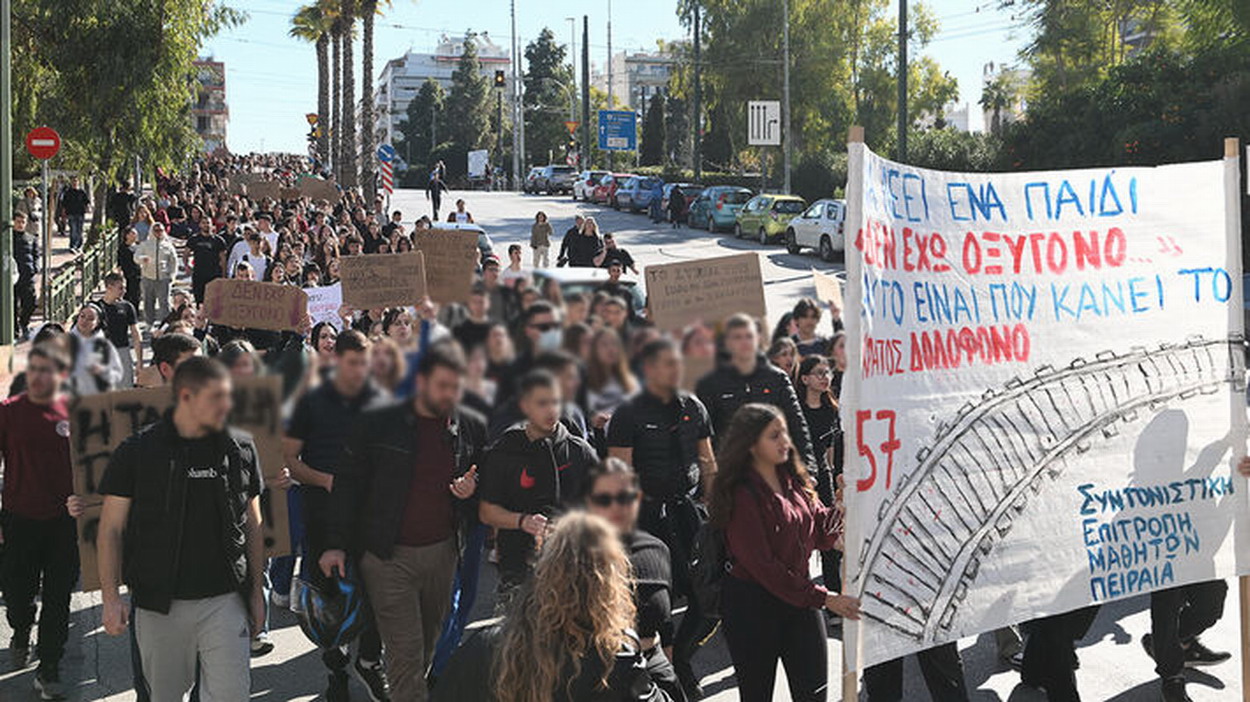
{"points": [[572, 145], [501, 79]]}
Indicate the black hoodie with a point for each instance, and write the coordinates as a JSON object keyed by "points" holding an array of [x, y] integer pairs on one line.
{"points": [[532, 477], [724, 390]]}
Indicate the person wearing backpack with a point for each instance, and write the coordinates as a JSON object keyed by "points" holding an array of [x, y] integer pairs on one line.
{"points": [[772, 521]]}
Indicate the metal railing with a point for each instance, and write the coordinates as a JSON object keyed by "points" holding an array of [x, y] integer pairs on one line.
{"points": [[75, 283]]}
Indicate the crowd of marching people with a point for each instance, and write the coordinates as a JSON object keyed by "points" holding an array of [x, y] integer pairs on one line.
{"points": [[628, 510]]}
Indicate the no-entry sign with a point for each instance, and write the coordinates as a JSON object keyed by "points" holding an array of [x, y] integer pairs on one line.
{"points": [[43, 142]]}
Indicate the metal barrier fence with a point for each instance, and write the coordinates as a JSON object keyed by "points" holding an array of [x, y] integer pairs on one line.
{"points": [[74, 284]]}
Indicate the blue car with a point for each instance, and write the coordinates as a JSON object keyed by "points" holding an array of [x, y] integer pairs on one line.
{"points": [[635, 195]]}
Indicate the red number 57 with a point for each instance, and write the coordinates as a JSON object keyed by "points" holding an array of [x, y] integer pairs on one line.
{"points": [[888, 447]]}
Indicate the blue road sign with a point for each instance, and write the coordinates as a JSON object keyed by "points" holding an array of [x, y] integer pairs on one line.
{"points": [[618, 130], [387, 153]]}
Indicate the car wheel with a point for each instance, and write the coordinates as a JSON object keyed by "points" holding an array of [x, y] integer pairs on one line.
{"points": [[763, 236], [792, 244], [737, 231], [826, 248]]}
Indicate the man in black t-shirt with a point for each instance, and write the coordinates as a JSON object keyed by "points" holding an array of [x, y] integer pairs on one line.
{"points": [[472, 332], [121, 327], [195, 570], [74, 202], [208, 258], [612, 252], [313, 447]]}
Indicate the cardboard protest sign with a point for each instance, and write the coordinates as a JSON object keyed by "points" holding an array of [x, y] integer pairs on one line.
{"points": [[288, 194], [451, 258], [100, 423], [240, 181], [1045, 397], [828, 288], [324, 303], [248, 304], [707, 290], [262, 189], [318, 189], [383, 280]]}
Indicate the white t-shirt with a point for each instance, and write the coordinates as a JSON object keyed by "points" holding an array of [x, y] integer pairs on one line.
{"points": [[509, 277], [243, 252]]}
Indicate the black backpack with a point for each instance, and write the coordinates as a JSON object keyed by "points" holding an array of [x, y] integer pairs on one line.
{"points": [[710, 562]]}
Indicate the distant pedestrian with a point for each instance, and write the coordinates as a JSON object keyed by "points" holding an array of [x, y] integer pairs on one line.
{"points": [[676, 206], [158, 263], [121, 205], [540, 240], [74, 203], [460, 215], [26, 254], [435, 188]]}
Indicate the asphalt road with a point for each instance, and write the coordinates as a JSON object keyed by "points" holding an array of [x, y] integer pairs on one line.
{"points": [[1113, 666]]}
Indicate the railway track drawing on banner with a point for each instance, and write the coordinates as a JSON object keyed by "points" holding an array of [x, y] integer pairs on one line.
{"points": [[932, 535]]}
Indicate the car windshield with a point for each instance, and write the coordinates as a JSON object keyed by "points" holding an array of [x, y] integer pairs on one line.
{"points": [[561, 169], [788, 206], [737, 197]]}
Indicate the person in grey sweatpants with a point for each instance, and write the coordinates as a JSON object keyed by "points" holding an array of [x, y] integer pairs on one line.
{"points": [[185, 492]]}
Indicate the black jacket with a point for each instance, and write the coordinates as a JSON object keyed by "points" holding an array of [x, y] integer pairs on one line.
{"points": [[371, 488], [26, 254], [155, 523], [724, 390], [469, 676], [646, 425], [580, 250]]}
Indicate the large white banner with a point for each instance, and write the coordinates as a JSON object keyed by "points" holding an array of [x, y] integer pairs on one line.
{"points": [[1046, 393]]}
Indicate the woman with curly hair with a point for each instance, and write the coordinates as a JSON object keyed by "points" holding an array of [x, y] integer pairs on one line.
{"points": [[568, 636], [772, 519]]}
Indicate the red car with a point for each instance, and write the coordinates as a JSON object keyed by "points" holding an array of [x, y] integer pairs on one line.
{"points": [[605, 192]]}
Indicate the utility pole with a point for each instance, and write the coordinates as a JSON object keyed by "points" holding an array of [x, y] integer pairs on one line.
{"points": [[902, 80], [517, 175], [6, 175], [785, 105], [586, 91], [573, 61], [611, 81], [698, 97]]}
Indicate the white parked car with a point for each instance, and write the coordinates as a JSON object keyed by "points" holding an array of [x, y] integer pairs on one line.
{"points": [[820, 228], [585, 182]]}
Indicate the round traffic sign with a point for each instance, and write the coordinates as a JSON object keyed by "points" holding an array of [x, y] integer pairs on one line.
{"points": [[43, 142], [387, 153]]}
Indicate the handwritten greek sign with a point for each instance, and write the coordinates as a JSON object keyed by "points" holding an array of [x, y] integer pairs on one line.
{"points": [[828, 288], [264, 189], [324, 303], [100, 423], [707, 290], [451, 258], [1045, 393], [383, 280], [248, 304], [318, 189]]}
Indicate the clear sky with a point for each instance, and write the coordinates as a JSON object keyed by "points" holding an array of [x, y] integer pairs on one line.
{"points": [[271, 79]]}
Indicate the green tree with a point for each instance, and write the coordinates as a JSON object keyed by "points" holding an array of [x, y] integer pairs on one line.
{"points": [[651, 150], [422, 125], [469, 103], [345, 24], [548, 93], [311, 24], [999, 94], [677, 131], [79, 68]]}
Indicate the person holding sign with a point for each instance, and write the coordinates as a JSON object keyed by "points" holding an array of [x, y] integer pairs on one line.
{"points": [[40, 538], [195, 570], [772, 520]]}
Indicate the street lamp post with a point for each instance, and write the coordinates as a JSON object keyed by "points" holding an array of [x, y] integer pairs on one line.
{"points": [[518, 113], [785, 106], [573, 62]]}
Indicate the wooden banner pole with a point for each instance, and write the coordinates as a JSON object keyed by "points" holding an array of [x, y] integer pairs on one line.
{"points": [[850, 630], [1232, 186]]}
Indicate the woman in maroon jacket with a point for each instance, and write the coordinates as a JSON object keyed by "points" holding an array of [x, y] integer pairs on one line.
{"points": [[773, 521]]}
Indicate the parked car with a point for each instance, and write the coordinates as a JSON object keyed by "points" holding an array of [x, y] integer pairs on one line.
{"points": [[585, 183], [717, 207], [767, 216], [636, 194], [554, 179], [531, 180], [587, 280], [821, 228], [691, 192], [605, 192]]}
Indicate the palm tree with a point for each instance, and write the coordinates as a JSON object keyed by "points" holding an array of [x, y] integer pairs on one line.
{"points": [[998, 95], [368, 171], [311, 24], [336, 94], [346, 23]]}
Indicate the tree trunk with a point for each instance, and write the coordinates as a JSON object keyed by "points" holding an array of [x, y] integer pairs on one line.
{"points": [[323, 99], [347, 148], [368, 168], [336, 95]]}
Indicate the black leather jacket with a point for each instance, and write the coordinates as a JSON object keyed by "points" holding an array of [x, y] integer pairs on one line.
{"points": [[371, 489]]}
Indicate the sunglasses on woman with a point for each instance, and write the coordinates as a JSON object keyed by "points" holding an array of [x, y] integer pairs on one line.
{"points": [[605, 499]]}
